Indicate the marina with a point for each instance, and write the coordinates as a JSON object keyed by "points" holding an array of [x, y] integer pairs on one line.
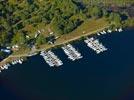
{"points": [[95, 45], [105, 74], [51, 59], [71, 52], [66, 50]]}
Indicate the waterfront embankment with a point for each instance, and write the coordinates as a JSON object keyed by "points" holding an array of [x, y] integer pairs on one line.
{"points": [[89, 28]]}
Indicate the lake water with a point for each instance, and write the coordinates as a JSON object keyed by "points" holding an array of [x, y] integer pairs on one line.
{"points": [[107, 76]]}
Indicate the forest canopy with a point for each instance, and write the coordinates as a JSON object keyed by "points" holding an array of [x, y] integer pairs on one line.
{"points": [[63, 16]]}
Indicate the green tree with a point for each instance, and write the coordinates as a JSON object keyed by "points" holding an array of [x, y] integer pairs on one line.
{"points": [[40, 40], [3, 38], [30, 1], [95, 12], [116, 18], [57, 24], [19, 38], [105, 13], [2, 55]]}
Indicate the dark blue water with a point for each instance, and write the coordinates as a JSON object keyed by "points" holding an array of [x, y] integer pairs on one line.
{"points": [[108, 76]]}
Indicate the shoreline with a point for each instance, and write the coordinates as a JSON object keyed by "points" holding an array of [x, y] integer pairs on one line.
{"points": [[9, 58]]}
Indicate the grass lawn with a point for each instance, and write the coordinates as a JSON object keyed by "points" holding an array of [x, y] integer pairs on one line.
{"points": [[87, 28]]}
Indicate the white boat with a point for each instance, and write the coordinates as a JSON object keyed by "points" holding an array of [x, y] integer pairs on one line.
{"points": [[98, 34], [109, 31], [5, 66], [104, 32], [116, 29], [13, 63], [2, 67], [8, 64], [20, 61], [120, 29]]}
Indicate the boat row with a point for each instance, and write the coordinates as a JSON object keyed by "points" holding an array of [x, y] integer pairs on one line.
{"points": [[71, 52], [51, 59], [5, 66], [17, 61], [104, 32], [119, 30], [109, 31], [95, 45]]}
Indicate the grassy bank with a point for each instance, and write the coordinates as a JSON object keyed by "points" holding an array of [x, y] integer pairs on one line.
{"points": [[88, 28]]}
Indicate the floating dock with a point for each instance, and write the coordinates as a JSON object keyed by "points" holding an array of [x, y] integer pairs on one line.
{"points": [[14, 62], [95, 45], [71, 52], [51, 59]]}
